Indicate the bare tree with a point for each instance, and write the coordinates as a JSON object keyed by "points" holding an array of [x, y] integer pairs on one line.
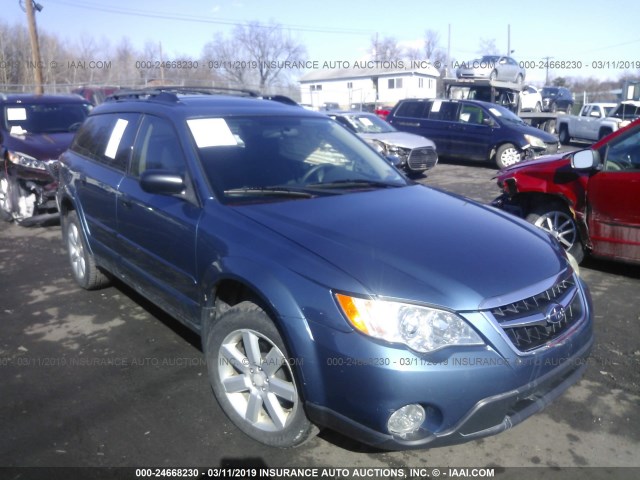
{"points": [[256, 56], [487, 46], [386, 49]]}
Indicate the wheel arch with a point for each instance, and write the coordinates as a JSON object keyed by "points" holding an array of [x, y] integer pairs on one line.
{"points": [[234, 280], [527, 201]]}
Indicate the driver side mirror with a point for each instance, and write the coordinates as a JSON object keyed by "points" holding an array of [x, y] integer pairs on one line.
{"points": [[162, 182], [585, 159]]}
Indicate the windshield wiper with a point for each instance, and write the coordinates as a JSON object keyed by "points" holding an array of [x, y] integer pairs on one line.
{"points": [[356, 183], [274, 191]]}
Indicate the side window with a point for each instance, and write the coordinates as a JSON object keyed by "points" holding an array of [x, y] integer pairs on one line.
{"points": [[442, 110], [107, 139], [412, 109], [623, 153], [157, 148], [471, 114]]}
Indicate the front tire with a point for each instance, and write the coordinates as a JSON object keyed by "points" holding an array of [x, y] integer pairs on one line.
{"points": [[83, 265], [507, 155], [251, 376], [557, 220]]}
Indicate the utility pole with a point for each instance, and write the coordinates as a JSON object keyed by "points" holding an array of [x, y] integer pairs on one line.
{"points": [[546, 62], [35, 47]]}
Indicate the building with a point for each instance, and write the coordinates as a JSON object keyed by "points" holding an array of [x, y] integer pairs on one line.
{"points": [[382, 86]]}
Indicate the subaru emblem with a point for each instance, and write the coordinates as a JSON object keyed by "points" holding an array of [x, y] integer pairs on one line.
{"points": [[556, 315]]}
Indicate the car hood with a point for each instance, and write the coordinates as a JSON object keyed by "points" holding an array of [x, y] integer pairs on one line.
{"points": [[417, 244], [536, 132], [400, 139], [41, 146], [546, 161]]}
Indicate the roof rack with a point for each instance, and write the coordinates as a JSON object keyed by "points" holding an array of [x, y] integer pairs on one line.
{"points": [[170, 93]]}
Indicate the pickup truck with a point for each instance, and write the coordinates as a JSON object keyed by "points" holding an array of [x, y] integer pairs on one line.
{"points": [[596, 120]]}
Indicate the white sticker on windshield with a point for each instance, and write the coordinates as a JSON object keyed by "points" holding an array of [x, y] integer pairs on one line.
{"points": [[116, 137], [17, 130], [496, 112], [16, 114], [365, 121], [211, 132], [436, 105]]}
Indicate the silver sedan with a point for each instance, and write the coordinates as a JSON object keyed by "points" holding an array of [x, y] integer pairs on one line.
{"points": [[492, 67]]}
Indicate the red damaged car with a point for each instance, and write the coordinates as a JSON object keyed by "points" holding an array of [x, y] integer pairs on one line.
{"points": [[589, 200]]}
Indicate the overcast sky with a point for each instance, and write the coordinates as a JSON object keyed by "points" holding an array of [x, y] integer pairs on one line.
{"points": [[592, 36]]}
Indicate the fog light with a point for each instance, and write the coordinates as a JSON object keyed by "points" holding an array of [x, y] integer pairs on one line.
{"points": [[406, 420]]}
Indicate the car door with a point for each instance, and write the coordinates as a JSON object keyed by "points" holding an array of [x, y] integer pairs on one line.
{"points": [[157, 232], [507, 69], [590, 123], [613, 197], [441, 126], [103, 148], [470, 135]]}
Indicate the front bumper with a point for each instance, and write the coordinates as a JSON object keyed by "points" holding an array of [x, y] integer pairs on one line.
{"points": [[353, 383], [489, 416]]}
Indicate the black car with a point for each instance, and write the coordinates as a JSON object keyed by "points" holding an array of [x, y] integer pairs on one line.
{"points": [[34, 131], [556, 99], [473, 130]]}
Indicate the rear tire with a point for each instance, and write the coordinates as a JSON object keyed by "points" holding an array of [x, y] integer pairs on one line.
{"points": [[557, 220], [251, 376], [563, 135], [83, 265], [604, 132]]}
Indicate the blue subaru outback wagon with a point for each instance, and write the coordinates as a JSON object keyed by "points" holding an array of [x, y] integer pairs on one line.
{"points": [[329, 290]]}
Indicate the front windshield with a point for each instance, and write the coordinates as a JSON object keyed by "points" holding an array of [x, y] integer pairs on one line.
{"points": [[627, 111], [273, 158], [505, 115], [549, 92], [368, 124], [21, 119], [491, 59]]}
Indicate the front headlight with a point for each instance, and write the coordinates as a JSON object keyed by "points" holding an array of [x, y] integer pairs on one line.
{"points": [[535, 141], [26, 161], [422, 329], [379, 146]]}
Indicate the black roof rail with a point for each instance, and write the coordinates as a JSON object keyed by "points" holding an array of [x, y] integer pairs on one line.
{"points": [[170, 93], [282, 99]]}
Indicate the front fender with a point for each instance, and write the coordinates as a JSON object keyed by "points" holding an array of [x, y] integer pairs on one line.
{"points": [[296, 311]]}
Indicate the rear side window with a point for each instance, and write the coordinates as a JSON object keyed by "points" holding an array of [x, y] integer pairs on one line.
{"points": [[412, 109], [107, 139], [441, 110]]}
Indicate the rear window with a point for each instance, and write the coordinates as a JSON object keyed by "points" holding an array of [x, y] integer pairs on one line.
{"points": [[107, 139]]}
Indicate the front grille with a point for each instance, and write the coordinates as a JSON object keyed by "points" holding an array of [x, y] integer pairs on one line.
{"points": [[535, 321], [422, 158]]}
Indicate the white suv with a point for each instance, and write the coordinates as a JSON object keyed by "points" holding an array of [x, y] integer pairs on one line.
{"points": [[530, 99]]}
